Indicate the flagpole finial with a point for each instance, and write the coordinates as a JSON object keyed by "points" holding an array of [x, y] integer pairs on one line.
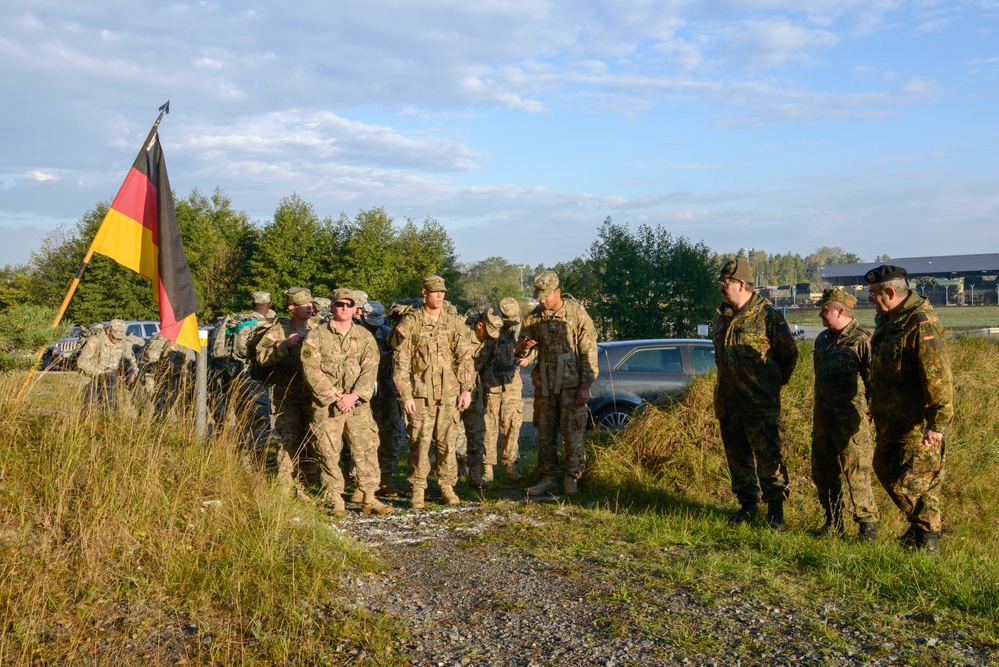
{"points": [[165, 108]]}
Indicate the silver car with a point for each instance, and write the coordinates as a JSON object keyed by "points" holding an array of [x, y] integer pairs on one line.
{"points": [[636, 372]]}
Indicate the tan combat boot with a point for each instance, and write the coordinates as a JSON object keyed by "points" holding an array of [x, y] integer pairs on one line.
{"points": [[487, 476], [416, 501], [333, 500], [374, 506], [357, 496], [548, 484], [385, 488], [570, 486], [448, 496], [511, 473]]}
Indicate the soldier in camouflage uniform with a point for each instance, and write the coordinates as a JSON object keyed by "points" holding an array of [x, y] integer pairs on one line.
{"points": [[385, 406], [433, 371], [165, 379], [911, 402], [340, 365], [755, 354], [280, 349], [841, 438], [561, 333], [99, 358], [504, 392], [483, 328]]}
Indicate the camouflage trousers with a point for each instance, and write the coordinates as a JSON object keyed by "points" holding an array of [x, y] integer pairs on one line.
{"points": [[477, 453], [432, 422], [912, 473], [504, 417], [293, 424], [357, 428], [558, 415], [753, 450], [842, 449], [391, 429]]}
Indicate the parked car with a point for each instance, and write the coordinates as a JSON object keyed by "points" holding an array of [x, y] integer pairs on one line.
{"points": [[61, 355], [636, 372]]}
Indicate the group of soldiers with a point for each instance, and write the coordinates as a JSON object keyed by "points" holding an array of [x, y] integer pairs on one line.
{"points": [[336, 373], [898, 377]]}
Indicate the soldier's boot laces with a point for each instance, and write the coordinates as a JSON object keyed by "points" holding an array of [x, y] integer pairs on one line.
{"points": [[570, 486], [927, 541], [385, 488], [374, 506], [548, 484], [747, 512], [775, 515], [868, 531], [448, 496], [511, 473], [416, 500]]}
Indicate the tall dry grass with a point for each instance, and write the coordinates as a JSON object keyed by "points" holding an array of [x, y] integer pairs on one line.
{"points": [[124, 539]]}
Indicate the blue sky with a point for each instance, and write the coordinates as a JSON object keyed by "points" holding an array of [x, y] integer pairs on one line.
{"points": [[521, 124]]}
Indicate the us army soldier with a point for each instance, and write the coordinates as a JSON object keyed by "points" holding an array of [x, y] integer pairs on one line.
{"points": [[101, 355], [385, 403], [561, 333], [433, 371], [484, 327], [504, 392], [841, 438], [912, 402]]}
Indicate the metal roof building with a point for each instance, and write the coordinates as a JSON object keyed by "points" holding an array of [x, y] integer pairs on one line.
{"points": [[945, 267]]}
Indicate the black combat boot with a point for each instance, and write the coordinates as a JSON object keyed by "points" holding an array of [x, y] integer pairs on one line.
{"points": [[868, 531], [746, 513], [927, 541], [775, 515], [908, 539], [832, 526]]}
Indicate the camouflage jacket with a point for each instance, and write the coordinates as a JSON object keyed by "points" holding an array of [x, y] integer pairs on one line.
{"points": [[500, 371], [479, 350], [755, 355], [911, 386], [566, 349], [335, 363], [431, 359], [99, 355], [287, 362], [842, 370]]}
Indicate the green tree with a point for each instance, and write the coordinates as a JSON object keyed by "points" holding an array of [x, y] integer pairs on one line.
{"points": [[486, 282], [25, 329]]}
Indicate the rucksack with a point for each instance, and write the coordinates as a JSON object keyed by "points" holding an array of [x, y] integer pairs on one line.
{"points": [[228, 339], [255, 371]]}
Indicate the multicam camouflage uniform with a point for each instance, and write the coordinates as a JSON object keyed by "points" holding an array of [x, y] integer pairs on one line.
{"points": [[755, 354], [504, 391], [292, 398], [385, 406], [841, 438], [432, 364], [566, 362], [335, 363], [99, 359], [911, 390]]}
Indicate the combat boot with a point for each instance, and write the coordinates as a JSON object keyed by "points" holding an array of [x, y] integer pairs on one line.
{"points": [[927, 541], [487, 476], [511, 473], [374, 506], [357, 496], [832, 526], [475, 478], [747, 512], [385, 488], [448, 496], [416, 500], [333, 501], [868, 531], [548, 484], [775, 515], [569, 486], [907, 540]]}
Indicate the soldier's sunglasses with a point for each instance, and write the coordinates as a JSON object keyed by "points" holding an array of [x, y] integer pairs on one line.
{"points": [[343, 304]]}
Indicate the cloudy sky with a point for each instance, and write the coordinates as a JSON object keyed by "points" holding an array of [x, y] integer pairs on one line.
{"points": [[520, 125]]}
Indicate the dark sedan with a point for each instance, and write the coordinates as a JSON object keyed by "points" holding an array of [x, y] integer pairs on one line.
{"points": [[635, 372]]}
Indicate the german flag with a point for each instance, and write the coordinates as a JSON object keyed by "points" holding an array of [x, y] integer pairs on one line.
{"points": [[140, 232]]}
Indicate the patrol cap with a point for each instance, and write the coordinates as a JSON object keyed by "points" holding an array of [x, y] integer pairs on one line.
{"points": [[344, 293], [736, 269], [118, 328], [261, 297], [434, 284], [509, 308], [321, 302], [544, 284], [298, 296], [374, 313], [360, 298], [493, 322], [838, 295], [884, 273]]}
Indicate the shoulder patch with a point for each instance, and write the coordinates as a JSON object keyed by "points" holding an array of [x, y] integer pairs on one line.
{"points": [[306, 352], [922, 318], [271, 337], [310, 341], [401, 330]]}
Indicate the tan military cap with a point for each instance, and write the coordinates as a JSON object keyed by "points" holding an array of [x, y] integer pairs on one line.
{"points": [[118, 328], [434, 284], [838, 295], [298, 296], [493, 323], [261, 297], [509, 308], [736, 269], [360, 298], [344, 293], [544, 284]]}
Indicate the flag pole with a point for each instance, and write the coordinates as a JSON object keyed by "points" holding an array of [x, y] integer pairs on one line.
{"points": [[164, 109]]}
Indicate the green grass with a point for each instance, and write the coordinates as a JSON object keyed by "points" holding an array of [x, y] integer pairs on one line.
{"points": [[955, 318]]}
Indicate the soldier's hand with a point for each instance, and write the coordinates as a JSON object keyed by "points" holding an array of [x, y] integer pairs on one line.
{"points": [[931, 437], [523, 362], [347, 402], [527, 343], [582, 397], [293, 340], [409, 406], [464, 400]]}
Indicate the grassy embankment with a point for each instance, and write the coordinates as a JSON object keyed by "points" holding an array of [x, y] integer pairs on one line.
{"points": [[126, 540], [953, 318], [658, 495]]}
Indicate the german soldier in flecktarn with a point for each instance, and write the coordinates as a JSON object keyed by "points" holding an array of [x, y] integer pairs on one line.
{"points": [[841, 438], [911, 402], [755, 354], [340, 363]]}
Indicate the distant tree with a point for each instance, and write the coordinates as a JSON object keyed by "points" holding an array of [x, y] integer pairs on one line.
{"points": [[825, 256], [882, 258], [427, 250], [25, 329], [485, 283]]}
